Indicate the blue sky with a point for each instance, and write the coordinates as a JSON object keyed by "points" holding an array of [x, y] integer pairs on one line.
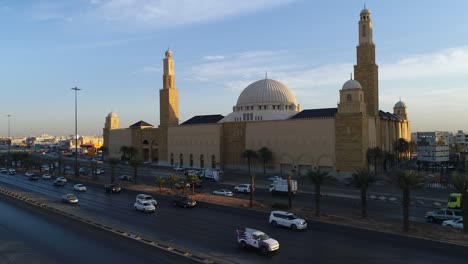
{"points": [[113, 50]]}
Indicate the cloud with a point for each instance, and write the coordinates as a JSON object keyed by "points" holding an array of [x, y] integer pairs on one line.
{"points": [[154, 14], [214, 57]]}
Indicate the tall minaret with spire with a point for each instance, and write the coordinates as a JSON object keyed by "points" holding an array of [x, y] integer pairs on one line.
{"points": [[169, 95], [366, 70]]}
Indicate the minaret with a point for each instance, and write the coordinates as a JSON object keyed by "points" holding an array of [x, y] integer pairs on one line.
{"points": [[112, 122], [366, 70], [169, 95]]}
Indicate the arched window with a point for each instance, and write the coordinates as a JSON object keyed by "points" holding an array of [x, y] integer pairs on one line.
{"points": [[145, 142], [181, 160], [213, 162], [202, 161], [191, 160], [172, 159], [348, 98]]}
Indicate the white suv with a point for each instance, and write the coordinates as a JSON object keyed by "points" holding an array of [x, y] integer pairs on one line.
{"points": [[146, 198], [281, 218], [245, 188]]}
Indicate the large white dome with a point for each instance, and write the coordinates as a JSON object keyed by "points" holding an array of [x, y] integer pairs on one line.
{"points": [[266, 91]]}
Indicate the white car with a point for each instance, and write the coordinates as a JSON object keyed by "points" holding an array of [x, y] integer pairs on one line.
{"points": [[223, 192], [79, 187], [62, 179], [290, 220], [46, 177], [275, 178], [144, 206], [179, 168], [457, 223], [146, 198], [29, 174], [244, 188]]}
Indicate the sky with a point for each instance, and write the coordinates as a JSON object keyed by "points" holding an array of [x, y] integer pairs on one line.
{"points": [[113, 51]]}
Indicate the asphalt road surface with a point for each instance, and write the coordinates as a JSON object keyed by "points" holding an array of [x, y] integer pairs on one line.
{"points": [[30, 235], [210, 229]]}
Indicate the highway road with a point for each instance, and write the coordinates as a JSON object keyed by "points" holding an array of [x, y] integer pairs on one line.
{"points": [[211, 229], [29, 235]]}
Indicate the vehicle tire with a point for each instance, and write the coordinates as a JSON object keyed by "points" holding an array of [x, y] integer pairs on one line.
{"points": [[293, 227], [274, 223], [135, 208], [431, 219], [264, 250], [245, 191], [243, 244]]}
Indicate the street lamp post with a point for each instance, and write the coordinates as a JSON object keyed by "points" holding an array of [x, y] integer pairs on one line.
{"points": [[76, 89], [9, 143]]}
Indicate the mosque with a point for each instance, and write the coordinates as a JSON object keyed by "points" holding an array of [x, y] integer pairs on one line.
{"points": [[267, 115]]}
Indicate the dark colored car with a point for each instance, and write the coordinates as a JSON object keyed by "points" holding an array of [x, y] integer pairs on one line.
{"points": [[112, 188], [184, 201], [59, 183]]}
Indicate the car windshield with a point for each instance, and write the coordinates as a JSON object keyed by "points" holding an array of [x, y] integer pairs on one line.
{"points": [[291, 217], [146, 203], [263, 237], [148, 198]]}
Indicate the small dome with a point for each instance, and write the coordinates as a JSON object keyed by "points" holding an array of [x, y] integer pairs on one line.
{"points": [[168, 53], [112, 114], [365, 11], [266, 91], [351, 84], [400, 104]]}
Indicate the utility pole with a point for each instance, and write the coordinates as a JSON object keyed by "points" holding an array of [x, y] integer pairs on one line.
{"points": [[9, 143], [76, 89]]}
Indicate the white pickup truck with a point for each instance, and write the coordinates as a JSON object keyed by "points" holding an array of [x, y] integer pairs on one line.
{"points": [[257, 239]]}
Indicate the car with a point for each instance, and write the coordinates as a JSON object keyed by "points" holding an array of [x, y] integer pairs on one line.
{"points": [[144, 206], [83, 171], [183, 201], [69, 198], [180, 185], [146, 198], [224, 192], [457, 223], [99, 171], [79, 187], [4, 170], [126, 178], [287, 219], [46, 177], [179, 168], [275, 178], [28, 174], [112, 188], [61, 179], [443, 214], [33, 177], [12, 171], [59, 183], [244, 188]]}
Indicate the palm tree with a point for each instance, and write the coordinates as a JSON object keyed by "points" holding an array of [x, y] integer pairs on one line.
{"points": [[373, 155], [193, 180], [104, 151], [407, 180], [318, 178], [124, 152], [266, 155], [460, 183], [289, 192], [361, 179], [113, 163], [172, 179], [132, 152], [249, 155], [401, 146], [135, 164], [160, 182], [252, 188]]}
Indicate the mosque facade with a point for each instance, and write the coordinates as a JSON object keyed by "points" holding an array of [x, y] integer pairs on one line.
{"points": [[267, 115]]}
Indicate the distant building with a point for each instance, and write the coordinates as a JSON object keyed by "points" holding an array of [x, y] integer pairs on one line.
{"points": [[461, 139], [433, 147]]}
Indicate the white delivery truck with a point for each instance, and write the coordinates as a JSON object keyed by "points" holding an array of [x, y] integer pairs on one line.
{"points": [[281, 186], [257, 239]]}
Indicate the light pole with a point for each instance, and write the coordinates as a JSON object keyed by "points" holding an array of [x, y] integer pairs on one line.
{"points": [[9, 142], [76, 89]]}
